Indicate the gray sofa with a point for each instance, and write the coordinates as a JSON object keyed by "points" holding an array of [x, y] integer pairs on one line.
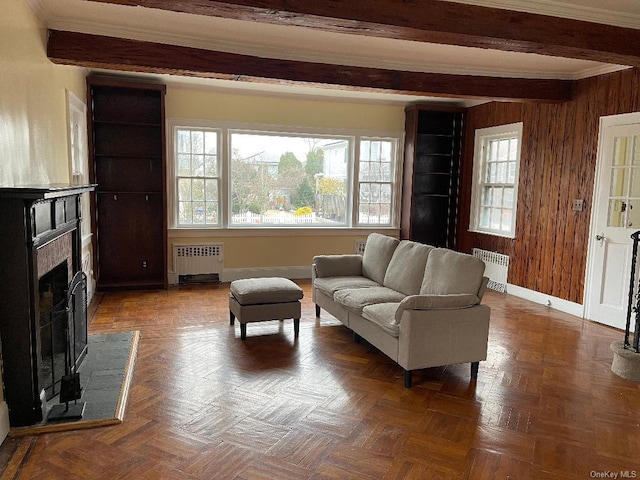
{"points": [[417, 304]]}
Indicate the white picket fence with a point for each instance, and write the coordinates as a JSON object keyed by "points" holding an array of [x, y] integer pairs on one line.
{"points": [[271, 218]]}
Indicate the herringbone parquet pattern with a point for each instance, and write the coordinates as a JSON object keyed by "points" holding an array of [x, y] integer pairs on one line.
{"points": [[204, 404]]}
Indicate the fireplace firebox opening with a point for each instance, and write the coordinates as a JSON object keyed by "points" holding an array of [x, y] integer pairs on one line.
{"points": [[53, 328]]}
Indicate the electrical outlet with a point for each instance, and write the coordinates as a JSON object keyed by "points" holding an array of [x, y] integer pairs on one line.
{"points": [[578, 205], [144, 264]]}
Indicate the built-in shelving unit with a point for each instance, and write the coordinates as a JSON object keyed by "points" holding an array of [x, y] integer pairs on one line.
{"points": [[431, 171], [127, 150]]}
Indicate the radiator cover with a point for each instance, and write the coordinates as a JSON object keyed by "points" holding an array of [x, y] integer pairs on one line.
{"points": [[198, 259], [497, 268]]}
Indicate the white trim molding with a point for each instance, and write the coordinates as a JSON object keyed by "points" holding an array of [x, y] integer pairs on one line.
{"points": [[550, 301]]}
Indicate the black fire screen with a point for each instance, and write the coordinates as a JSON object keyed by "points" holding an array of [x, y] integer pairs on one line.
{"points": [[63, 326]]}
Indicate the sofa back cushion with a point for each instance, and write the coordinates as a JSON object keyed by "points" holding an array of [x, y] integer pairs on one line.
{"points": [[377, 254], [406, 268], [448, 272]]}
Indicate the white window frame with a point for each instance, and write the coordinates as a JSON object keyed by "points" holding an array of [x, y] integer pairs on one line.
{"points": [[176, 177], [482, 138], [226, 128], [77, 138], [357, 183]]}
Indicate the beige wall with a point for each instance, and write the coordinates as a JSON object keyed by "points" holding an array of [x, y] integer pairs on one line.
{"points": [[278, 248], [33, 134], [198, 103]]}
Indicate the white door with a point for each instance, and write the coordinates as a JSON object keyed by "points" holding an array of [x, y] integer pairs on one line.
{"points": [[616, 215]]}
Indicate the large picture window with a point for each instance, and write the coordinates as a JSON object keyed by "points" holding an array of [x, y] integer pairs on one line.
{"points": [[495, 183], [288, 180], [246, 178]]}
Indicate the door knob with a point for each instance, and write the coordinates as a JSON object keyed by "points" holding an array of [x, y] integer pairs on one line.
{"points": [[600, 237]]}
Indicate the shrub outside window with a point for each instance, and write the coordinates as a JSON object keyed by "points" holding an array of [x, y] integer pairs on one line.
{"points": [[495, 181]]}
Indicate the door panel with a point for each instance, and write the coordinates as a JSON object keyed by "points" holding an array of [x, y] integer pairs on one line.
{"points": [[616, 217]]}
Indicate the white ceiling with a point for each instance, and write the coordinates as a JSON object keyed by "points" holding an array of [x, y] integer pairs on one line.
{"points": [[297, 43]]}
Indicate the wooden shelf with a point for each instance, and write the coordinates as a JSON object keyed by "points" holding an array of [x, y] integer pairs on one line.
{"points": [[127, 148], [430, 185], [125, 123]]}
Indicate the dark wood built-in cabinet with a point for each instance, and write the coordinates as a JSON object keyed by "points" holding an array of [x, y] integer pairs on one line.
{"points": [[431, 175], [127, 162]]}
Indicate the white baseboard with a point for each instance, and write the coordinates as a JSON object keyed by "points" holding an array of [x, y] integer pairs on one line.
{"points": [[231, 274], [4, 421], [565, 306]]}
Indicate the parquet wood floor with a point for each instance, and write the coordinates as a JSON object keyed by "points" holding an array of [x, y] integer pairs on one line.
{"points": [[206, 405]]}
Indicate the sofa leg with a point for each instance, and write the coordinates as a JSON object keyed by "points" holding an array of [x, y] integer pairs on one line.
{"points": [[356, 338], [474, 370], [243, 331], [317, 311], [296, 327], [407, 379], [232, 318]]}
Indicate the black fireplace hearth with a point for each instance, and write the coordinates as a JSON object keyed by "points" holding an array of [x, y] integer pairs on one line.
{"points": [[40, 252]]}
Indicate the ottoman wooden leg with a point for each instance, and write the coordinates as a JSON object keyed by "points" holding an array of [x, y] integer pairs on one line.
{"points": [[243, 330], [232, 318], [296, 327]]}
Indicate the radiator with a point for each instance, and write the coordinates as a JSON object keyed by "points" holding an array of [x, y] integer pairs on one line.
{"points": [[359, 247], [197, 259], [497, 267]]}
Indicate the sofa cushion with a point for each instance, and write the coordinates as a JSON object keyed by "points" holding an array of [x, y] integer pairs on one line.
{"points": [[406, 268], [383, 315], [330, 285], [355, 299], [450, 272], [377, 255], [256, 291], [436, 302], [335, 265]]}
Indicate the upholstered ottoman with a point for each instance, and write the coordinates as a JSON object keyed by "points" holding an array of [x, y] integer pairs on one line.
{"points": [[261, 299]]}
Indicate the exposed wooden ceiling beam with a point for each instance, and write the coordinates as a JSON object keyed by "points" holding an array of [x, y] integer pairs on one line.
{"points": [[434, 21], [96, 51]]}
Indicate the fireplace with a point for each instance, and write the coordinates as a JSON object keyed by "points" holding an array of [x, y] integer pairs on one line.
{"points": [[42, 327], [62, 326]]}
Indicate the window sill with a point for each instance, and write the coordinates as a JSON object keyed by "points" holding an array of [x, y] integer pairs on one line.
{"points": [[493, 234], [279, 232]]}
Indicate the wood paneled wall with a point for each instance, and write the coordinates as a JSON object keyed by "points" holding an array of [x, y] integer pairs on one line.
{"points": [[559, 149]]}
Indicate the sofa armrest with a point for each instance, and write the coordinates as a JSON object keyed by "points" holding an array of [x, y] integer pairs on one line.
{"points": [[430, 338], [436, 302], [337, 265]]}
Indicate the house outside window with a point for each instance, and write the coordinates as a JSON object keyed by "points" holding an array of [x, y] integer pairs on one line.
{"points": [[495, 181], [251, 178]]}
